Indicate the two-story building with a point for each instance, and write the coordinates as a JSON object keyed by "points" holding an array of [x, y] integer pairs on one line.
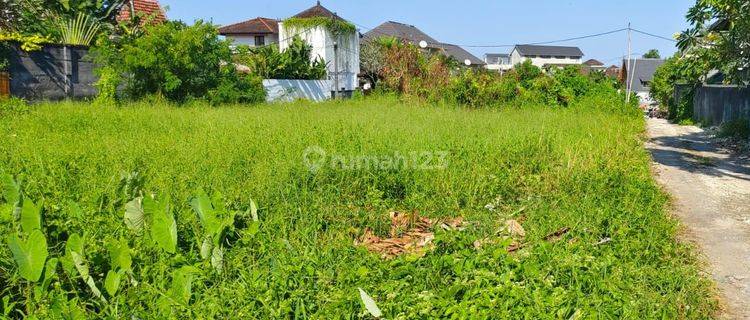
{"points": [[256, 32], [498, 62], [545, 56]]}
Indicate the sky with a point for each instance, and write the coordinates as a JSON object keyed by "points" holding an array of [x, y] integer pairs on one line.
{"points": [[481, 23]]}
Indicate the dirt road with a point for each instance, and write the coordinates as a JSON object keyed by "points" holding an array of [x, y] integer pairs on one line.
{"points": [[711, 189]]}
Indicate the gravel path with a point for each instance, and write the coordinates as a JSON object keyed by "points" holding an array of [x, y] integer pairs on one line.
{"points": [[711, 189]]}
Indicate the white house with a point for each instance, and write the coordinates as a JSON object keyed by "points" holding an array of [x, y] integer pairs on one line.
{"points": [[256, 32], [341, 53], [497, 62], [542, 56]]}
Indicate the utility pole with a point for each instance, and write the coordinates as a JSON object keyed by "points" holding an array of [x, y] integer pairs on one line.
{"points": [[628, 70], [336, 67]]}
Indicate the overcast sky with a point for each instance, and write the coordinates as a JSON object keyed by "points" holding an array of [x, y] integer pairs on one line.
{"points": [[475, 22]]}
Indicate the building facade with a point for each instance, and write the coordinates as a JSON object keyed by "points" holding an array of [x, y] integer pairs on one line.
{"points": [[545, 56]]}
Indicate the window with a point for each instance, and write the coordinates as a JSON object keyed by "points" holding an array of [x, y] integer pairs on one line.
{"points": [[546, 57], [260, 41], [561, 57]]}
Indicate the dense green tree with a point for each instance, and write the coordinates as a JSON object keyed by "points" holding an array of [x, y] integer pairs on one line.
{"points": [[652, 54], [720, 35]]}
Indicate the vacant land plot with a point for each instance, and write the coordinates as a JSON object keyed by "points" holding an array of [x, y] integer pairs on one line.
{"points": [[433, 211]]}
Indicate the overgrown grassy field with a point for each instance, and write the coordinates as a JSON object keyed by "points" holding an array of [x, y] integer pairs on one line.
{"points": [[598, 242]]}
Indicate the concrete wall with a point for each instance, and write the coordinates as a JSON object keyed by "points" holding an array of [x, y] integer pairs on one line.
{"points": [[281, 90], [716, 104], [53, 73]]}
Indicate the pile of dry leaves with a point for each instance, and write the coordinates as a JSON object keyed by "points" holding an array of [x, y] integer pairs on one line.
{"points": [[410, 233]]}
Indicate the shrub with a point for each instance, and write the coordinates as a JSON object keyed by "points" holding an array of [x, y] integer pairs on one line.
{"points": [[107, 84], [237, 88], [170, 59], [294, 63], [739, 128]]}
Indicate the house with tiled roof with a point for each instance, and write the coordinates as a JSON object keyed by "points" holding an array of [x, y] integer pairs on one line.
{"points": [[149, 10], [414, 35], [254, 32]]}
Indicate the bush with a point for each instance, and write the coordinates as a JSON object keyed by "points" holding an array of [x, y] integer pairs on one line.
{"points": [[294, 63], [739, 129], [170, 59], [237, 88], [12, 105]]}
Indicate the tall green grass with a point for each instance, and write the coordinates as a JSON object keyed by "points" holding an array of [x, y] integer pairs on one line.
{"points": [[576, 168]]}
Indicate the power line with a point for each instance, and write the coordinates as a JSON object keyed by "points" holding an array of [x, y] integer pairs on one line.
{"points": [[653, 35]]}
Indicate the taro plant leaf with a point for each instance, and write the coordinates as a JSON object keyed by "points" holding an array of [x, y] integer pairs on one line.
{"points": [[253, 210], [134, 216], [182, 282], [30, 255], [83, 270], [74, 244], [112, 282], [119, 255], [217, 259], [11, 189], [50, 271], [206, 248], [31, 216], [163, 226], [207, 214], [369, 303]]}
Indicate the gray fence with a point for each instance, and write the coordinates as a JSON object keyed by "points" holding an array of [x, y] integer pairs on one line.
{"points": [[717, 104], [52, 73]]}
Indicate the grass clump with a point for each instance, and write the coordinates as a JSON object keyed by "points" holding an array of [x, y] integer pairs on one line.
{"points": [[235, 181], [738, 129]]}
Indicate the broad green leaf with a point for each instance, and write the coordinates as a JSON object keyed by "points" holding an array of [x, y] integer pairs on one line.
{"points": [[74, 244], [83, 270], [30, 256], [369, 303], [112, 282], [11, 189], [206, 248], [119, 255], [31, 216], [182, 282], [207, 214], [163, 226], [50, 270], [217, 259], [134, 216], [253, 210]]}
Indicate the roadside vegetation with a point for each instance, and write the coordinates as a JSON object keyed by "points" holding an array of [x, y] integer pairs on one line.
{"points": [[713, 46]]}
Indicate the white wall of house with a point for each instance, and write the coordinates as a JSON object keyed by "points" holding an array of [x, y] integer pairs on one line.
{"points": [[249, 39], [322, 47], [541, 61]]}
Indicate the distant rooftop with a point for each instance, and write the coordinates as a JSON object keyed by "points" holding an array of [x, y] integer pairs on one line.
{"points": [[413, 35], [258, 25], [641, 71], [534, 50], [317, 11]]}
